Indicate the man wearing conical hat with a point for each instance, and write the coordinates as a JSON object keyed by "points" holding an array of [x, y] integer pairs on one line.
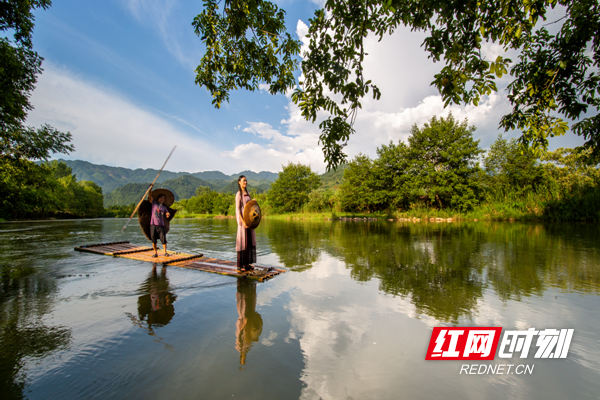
{"points": [[157, 221]]}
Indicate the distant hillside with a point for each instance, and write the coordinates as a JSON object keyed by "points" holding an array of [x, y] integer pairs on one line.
{"points": [[125, 195], [270, 176], [219, 183], [185, 186], [110, 178], [233, 188], [333, 177], [263, 184], [212, 175]]}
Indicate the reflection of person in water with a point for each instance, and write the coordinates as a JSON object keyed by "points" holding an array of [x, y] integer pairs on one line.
{"points": [[156, 307], [249, 324]]}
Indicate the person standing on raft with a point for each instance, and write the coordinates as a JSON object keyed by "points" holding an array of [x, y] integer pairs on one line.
{"points": [[245, 243], [157, 223]]}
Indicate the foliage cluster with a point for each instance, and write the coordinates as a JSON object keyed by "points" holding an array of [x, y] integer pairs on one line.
{"points": [[19, 67], [554, 79], [423, 179], [438, 167], [291, 190], [30, 190], [207, 201]]}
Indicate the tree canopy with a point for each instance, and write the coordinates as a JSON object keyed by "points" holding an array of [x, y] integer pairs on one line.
{"points": [[438, 167], [555, 78], [291, 189], [19, 67]]}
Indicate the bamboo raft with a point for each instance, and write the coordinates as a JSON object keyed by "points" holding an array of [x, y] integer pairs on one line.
{"points": [[177, 259]]}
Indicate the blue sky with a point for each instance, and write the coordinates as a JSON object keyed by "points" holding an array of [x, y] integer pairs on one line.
{"points": [[119, 75]]}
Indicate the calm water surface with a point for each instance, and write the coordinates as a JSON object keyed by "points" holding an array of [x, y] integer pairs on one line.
{"points": [[352, 318]]}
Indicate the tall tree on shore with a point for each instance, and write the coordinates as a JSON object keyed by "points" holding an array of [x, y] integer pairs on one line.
{"points": [[26, 188], [19, 67], [291, 189], [555, 77], [438, 167]]}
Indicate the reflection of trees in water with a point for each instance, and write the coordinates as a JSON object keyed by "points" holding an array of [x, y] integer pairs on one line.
{"points": [[437, 273], [25, 298], [156, 306], [527, 259], [296, 244], [249, 324], [445, 268]]}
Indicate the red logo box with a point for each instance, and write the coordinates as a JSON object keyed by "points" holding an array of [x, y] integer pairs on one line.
{"points": [[463, 343]]}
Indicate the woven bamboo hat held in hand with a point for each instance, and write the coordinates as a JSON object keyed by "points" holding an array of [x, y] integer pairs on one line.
{"points": [[252, 214], [169, 196]]}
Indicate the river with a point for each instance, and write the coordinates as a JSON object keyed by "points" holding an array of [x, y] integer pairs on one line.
{"points": [[351, 319]]}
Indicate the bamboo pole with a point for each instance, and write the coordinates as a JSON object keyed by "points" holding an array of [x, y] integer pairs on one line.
{"points": [[149, 187]]}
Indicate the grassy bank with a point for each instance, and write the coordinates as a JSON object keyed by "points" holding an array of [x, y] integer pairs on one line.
{"points": [[194, 215], [527, 208]]}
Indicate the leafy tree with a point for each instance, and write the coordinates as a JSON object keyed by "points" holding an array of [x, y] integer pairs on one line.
{"points": [[207, 201], [203, 201], [246, 44], [320, 200], [19, 67], [222, 204], [25, 187], [290, 191], [554, 78], [443, 163], [509, 168], [31, 190], [438, 166], [358, 186]]}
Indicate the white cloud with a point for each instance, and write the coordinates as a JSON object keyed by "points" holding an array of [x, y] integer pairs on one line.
{"points": [[302, 31], [107, 128], [280, 150]]}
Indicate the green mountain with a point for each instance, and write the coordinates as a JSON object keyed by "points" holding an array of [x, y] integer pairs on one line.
{"points": [[333, 178], [212, 175], [185, 186], [219, 183], [270, 176], [233, 188], [110, 178], [128, 194]]}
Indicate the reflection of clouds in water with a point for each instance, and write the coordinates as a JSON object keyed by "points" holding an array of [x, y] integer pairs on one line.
{"points": [[269, 340], [358, 341], [334, 326]]}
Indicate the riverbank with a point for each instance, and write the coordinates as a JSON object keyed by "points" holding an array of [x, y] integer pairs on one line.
{"points": [[484, 214]]}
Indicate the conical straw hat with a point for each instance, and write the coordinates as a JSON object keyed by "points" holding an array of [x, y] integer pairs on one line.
{"points": [[252, 214], [169, 196]]}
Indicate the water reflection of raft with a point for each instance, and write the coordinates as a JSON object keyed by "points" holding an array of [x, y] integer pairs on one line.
{"points": [[176, 259]]}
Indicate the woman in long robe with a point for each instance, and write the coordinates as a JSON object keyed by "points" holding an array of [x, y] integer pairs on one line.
{"points": [[245, 243]]}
